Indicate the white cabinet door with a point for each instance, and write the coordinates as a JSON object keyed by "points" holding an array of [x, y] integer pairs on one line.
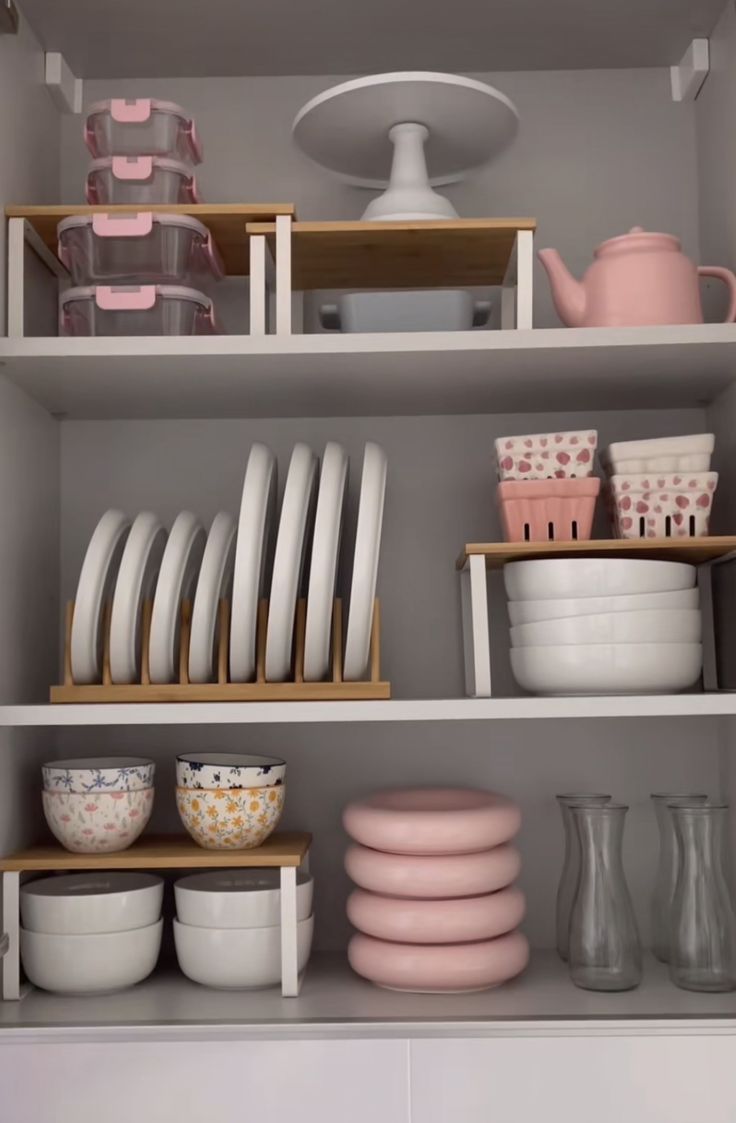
{"points": [[662, 1079], [200, 1082]]}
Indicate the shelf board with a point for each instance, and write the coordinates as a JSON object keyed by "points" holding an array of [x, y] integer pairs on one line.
{"points": [[409, 373], [226, 221], [336, 1003], [419, 710], [166, 852], [695, 551], [450, 252]]}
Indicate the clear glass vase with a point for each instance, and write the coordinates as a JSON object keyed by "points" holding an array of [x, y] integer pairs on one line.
{"points": [[703, 925], [666, 876], [605, 952], [570, 863]]}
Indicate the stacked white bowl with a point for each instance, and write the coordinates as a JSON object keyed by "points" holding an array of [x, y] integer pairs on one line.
{"points": [[98, 805], [604, 625], [90, 933], [228, 927]]}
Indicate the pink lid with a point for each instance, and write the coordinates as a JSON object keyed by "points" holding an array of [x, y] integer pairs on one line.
{"points": [[137, 167], [639, 239], [117, 296], [136, 109]]}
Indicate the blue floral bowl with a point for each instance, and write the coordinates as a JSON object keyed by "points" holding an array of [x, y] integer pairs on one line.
{"points": [[224, 771], [99, 774]]}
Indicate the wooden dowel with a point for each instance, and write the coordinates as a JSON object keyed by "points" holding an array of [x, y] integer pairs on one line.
{"points": [[106, 618], [68, 620], [223, 641], [185, 635], [146, 614], [301, 627], [375, 657], [337, 640], [261, 641]]}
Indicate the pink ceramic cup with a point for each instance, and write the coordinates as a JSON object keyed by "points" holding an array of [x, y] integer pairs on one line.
{"points": [[433, 876], [437, 969], [432, 820], [463, 920]]}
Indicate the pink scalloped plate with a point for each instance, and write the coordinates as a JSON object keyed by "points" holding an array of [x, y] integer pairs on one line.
{"points": [[433, 876], [432, 820], [439, 968], [462, 920]]}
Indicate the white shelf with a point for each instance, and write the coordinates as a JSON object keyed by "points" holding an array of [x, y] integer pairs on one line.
{"points": [[375, 375], [422, 709], [336, 1003]]}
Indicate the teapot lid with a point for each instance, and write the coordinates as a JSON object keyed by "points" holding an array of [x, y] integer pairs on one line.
{"points": [[639, 239]]}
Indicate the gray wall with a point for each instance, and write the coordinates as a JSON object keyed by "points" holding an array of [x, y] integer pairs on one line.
{"points": [[597, 153]]}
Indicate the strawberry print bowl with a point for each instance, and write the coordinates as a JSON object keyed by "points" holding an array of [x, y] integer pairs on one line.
{"points": [[541, 456], [653, 505], [230, 818], [97, 822]]}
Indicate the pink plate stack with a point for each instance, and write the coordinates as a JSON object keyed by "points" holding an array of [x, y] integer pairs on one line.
{"points": [[139, 272], [435, 904], [546, 489]]}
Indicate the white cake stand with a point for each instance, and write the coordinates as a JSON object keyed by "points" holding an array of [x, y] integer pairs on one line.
{"points": [[454, 124]]}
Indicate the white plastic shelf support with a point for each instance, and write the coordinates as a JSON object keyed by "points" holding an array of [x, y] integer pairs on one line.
{"points": [[10, 925], [517, 293]]}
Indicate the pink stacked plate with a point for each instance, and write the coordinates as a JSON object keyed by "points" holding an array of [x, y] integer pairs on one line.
{"points": [[435, 904]]}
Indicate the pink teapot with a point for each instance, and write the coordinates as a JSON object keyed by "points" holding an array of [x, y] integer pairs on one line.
{"points": [[638, 278]]}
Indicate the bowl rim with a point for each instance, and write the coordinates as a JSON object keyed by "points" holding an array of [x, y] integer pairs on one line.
{"points": [[176, 923], [196, 792], [82, 764], [220, 760], [91, 935], [98, 795]]}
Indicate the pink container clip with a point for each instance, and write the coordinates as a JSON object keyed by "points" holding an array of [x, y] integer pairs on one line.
{"points": [[548, 510]]}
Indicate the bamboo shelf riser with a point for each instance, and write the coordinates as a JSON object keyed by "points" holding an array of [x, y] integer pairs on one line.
{"points": [[295, 690]]}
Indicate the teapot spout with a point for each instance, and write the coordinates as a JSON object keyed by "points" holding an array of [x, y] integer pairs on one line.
{"points": [[568, 294]]}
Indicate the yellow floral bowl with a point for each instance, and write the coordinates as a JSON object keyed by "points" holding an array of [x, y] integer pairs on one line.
{"points": [[230, 818]]}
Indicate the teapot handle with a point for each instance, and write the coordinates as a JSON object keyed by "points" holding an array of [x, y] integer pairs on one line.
{"points": [[728, 278]]}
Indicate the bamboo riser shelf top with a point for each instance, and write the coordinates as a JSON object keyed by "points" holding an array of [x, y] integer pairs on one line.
{"points": [[297, 690], [226, 221], [166, 852], [452, 252], [694, 551]]}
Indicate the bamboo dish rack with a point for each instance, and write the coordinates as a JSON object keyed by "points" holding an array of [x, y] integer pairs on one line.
{"points": [[296, 690]]}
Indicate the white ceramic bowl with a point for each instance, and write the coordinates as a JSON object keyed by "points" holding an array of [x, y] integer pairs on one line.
{"points": [[237, 958], [543, 579], [228, 770], [621, 668], [99, 774], [85, 903], [533, 611], [238, 898], [97, 822], [658, 626], [90, 964]]}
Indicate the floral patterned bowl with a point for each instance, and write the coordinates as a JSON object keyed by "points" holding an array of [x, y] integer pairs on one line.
{"points": [[97, 822], [228, 770], [230, 818], [99, 774]]}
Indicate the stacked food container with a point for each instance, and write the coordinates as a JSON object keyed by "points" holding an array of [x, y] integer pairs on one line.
{"points": [[228, 927], [91, 933], [98, 805], [660, 488], [139, 272], [436, 908], [546, 489]]}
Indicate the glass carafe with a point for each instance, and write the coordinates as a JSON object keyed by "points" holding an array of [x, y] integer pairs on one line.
{"points": [[605, 952], [570, 863], [703, 925], [666, 876]]}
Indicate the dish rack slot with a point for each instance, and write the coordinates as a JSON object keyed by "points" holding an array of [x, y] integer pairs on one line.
{"points": [[223, 690]]}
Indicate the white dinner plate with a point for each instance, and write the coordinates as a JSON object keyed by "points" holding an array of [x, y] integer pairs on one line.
{"points": [[97, 579], [292, 544], [365, 563], [177, 581], [252, 558], [214, 582], [139, 568], [324, 561]]}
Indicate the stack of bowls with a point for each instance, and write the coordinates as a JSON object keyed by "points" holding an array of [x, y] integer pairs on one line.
{"points": [[90, 933], [229, 801], [604, 625], [228, 927], [98, 805], [436, 909]]}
